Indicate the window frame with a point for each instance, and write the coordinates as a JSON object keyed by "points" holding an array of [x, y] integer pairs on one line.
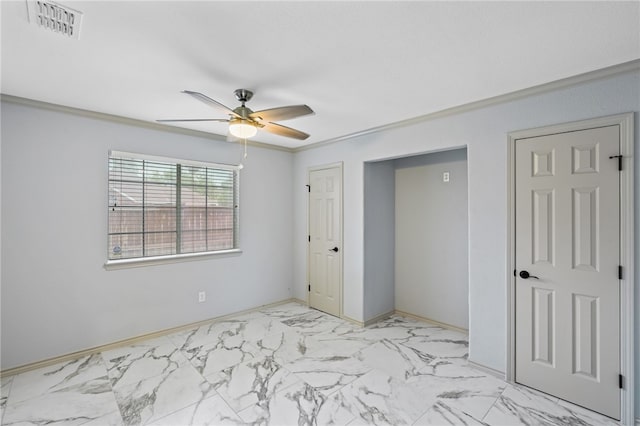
{"points": [[177, 257]]}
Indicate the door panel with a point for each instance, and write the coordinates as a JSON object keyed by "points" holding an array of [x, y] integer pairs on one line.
{"points": [[585, 222], [325, 231], [542, 226], [585, 320], [567, 238], [543, 325]]}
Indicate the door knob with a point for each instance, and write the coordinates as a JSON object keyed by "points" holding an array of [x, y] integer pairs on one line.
{"points": [[526, 275], [335, 249]]}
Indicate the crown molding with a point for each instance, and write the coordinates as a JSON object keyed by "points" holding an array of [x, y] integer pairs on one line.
{"points": [[623, 68], [129, 121]]}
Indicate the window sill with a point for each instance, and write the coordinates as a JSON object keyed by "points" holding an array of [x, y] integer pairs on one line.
{"points": [[162, 260]]}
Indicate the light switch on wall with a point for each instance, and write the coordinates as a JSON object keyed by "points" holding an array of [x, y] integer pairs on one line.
{"points": [[445, 177]]}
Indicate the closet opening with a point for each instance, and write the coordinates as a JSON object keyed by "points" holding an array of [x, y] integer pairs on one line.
{"points": [[416, 223]]}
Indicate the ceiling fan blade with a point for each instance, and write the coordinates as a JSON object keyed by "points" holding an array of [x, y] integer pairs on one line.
{"points": [[282, 113], [281, 130], [191, 119], [207, 100]]}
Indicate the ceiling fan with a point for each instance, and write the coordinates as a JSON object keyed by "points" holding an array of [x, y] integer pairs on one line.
{"points": [[244, 123]]}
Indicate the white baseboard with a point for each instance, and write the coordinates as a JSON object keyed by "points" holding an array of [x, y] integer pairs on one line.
{"points": [[300, 301], [496, 373], [352, 321], [378, 318], [86, 352], [369, 321], [430, 321]]}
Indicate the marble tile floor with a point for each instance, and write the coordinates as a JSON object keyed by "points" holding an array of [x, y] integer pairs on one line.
{"points": [[283, 365]]}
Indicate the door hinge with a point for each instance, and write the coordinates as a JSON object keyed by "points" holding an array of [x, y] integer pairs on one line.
{"points": [[619, 157], [308, 188], [309, 238], [619, 272], [620, 381], [309, 287]]}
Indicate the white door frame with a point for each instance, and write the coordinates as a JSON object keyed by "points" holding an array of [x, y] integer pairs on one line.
{"points": [[338, 165], [627, 300]]}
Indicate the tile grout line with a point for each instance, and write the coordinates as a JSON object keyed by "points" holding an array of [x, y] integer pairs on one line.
{"points": [[113, 393], [493, 403], [6, 402]]}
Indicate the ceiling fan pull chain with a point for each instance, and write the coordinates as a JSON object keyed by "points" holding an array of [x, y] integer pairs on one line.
{"points": [[244, 157], [245, 149]]}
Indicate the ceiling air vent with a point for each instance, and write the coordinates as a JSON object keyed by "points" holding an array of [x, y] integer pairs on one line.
{"points": [[55, 17]]}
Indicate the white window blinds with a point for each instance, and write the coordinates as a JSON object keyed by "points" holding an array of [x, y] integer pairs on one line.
{"points": [[162, 207]]}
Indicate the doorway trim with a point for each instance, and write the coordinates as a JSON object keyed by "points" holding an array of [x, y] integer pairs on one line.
{"points": [[338, 165], [625, 121]]}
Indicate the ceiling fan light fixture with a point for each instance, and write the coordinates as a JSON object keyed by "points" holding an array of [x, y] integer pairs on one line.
{"points": [[242, 129]]}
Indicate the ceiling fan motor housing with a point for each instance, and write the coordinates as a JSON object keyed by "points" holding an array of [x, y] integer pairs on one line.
{"points": [[243, 112], [243, 95]]}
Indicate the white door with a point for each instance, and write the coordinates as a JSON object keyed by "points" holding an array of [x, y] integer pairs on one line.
{"points": [[325, 239], [567, 240]]}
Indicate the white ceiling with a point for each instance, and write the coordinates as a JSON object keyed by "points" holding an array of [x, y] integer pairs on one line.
{"points": [[359, 65]]}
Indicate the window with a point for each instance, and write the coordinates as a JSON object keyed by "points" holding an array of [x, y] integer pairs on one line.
{"points": [[166, 207]]}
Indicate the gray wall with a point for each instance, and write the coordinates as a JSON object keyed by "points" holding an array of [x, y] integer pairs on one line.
{"points": [[431, 258], [484, 132], [379, 239], [56, 296]]}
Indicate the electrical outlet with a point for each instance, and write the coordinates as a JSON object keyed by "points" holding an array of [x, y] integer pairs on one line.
{"points": [[202, 296], [445, 177]]}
